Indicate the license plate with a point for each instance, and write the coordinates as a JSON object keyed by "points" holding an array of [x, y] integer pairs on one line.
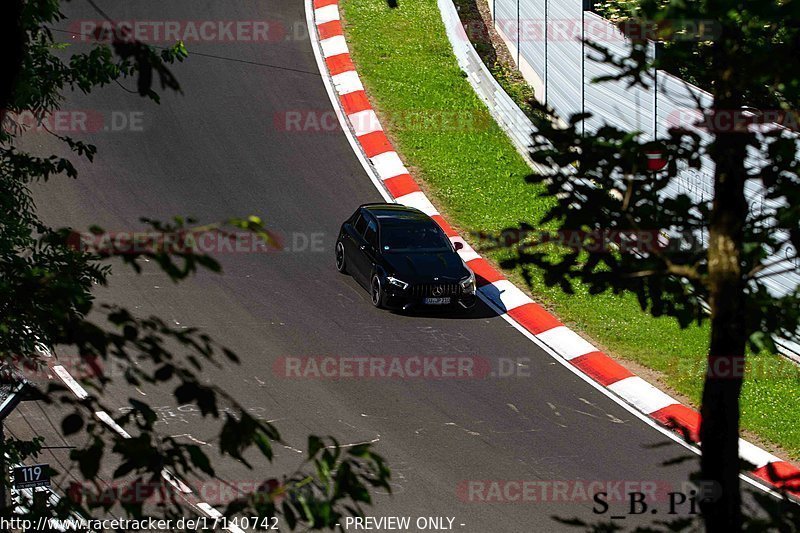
{"points": [[437, 301]]}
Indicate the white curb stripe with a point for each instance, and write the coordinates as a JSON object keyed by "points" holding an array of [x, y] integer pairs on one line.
{"points": [[334, 46], [418, 200], [175, 482], [566, 342], [213, 513], [210, 511], [347, 82], [468, 253], [326, 14], [755, 455], [641, 394], [70, 382], [389, 165], [505, 295], [458, 238], [365, 122], [105, 417]]}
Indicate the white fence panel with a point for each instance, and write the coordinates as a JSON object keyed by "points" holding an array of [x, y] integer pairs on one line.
{"points": [[613, 102], [565, 56]]}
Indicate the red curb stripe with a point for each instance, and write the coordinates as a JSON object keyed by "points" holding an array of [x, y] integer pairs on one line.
{"points": [[781, 474], [354, 102], [375, 143], [534, 318], [339, 63], [601, 368], [447, 228], [680, 419], [322, 3], [401, 185], [484, 272], [330, 29]]}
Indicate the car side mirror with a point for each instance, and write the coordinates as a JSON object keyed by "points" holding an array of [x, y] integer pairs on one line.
{"points": [[458, 245]]}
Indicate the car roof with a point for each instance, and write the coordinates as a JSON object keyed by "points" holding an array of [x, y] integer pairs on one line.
{"points": [[390, 212]]}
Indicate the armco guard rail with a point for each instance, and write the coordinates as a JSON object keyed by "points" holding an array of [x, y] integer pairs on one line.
{"points": [[546, 39]]}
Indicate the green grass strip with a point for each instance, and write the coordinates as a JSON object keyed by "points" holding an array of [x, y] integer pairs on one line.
{"points": [[477, 178]]}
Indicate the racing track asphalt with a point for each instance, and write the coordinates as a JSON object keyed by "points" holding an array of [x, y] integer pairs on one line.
{"points": [[216, 152]]}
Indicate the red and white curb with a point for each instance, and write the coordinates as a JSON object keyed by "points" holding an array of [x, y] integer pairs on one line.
{"points": [[511, 303]]}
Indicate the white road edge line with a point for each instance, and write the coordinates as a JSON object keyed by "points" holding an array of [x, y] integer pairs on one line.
{"points": [[312, 29]]}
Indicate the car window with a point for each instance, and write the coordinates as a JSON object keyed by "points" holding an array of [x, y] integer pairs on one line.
{"points": [[414, 238], [360, 224], [371, 236]]}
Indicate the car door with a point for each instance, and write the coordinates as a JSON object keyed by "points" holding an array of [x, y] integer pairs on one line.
{"points": [[352, 239], [364, 253]]}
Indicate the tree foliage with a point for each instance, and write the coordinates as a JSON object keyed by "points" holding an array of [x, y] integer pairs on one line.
{"points": [[46, 302], [683, 257]]}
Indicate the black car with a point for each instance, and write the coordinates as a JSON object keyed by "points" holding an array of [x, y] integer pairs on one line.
{"points": [[404, 259]]}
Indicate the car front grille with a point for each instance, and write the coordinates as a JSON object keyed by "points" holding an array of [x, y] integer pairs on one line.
{"points": [[435, 290]]}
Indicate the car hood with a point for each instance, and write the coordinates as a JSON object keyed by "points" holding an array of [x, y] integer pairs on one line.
{"points": [[423, 267]]}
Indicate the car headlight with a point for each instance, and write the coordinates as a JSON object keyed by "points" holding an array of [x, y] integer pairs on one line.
{"points": [[468, 284], [397, 282]]}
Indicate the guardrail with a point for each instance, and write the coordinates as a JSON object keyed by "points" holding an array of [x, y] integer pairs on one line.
{"points": [[555, 64]]}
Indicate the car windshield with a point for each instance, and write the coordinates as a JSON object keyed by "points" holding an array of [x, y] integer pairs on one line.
{"points": [[413, 238]]}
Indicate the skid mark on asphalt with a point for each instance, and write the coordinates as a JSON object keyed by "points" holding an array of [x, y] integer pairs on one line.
{"points": [[554, 409], [184, 414], [360, 442], [531, 420], [353, 436], [425, 431], [373, 416], [428, 339], [523, 417], [291, 448], [399, 478], [468, 431], [603, 415], [608, 415], [189, 437], [556, 412]]}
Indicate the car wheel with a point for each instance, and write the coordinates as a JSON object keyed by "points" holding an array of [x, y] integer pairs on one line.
{"points": [[340, 265], [376, 291]]}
